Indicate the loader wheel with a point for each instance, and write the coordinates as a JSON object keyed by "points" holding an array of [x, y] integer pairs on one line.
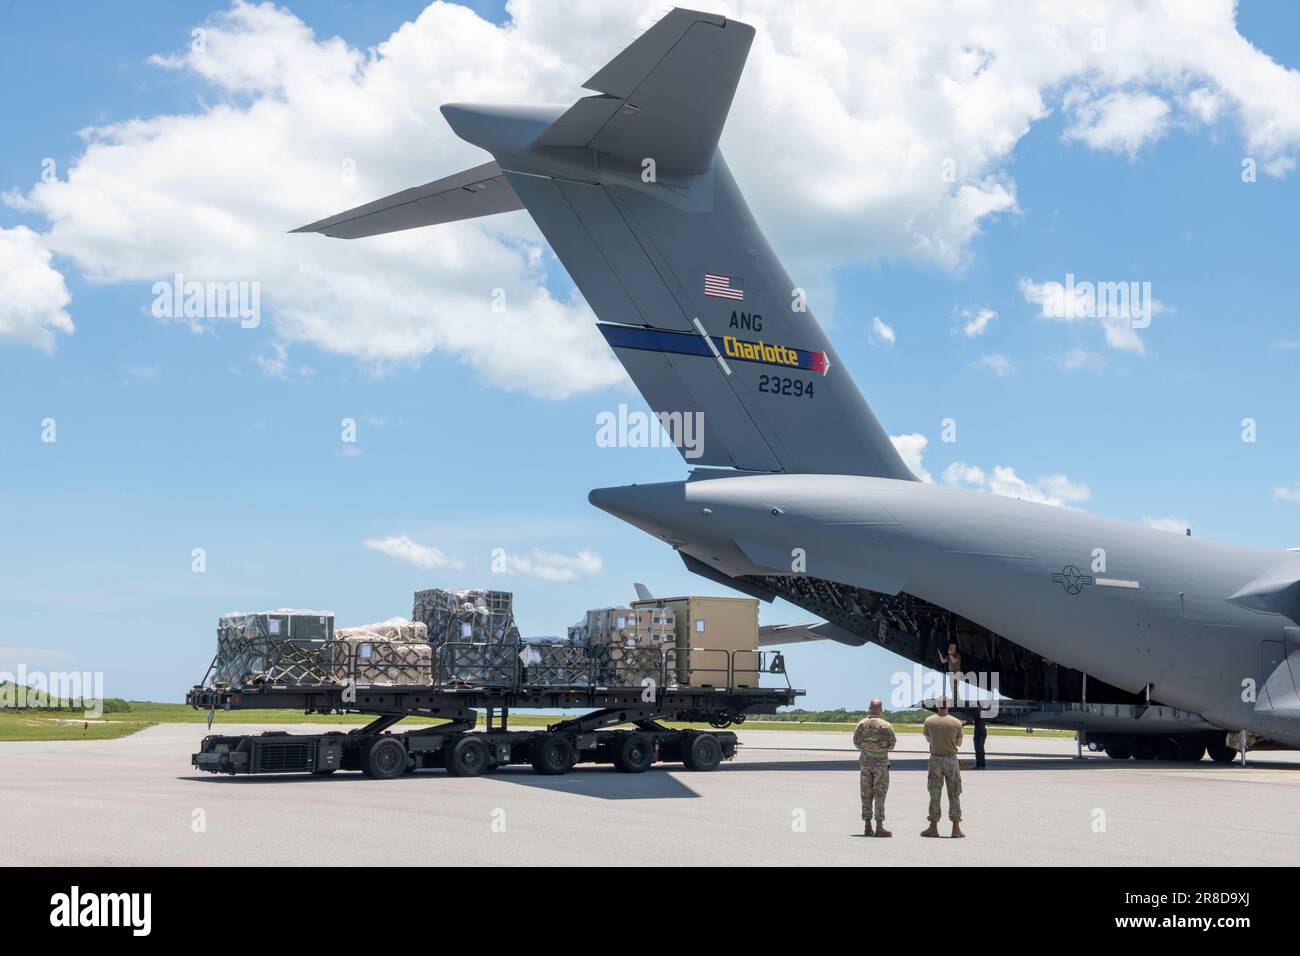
{"points": [[633, 753], [702, 752], [1119, 751], [1144, 749], [386, 759], [468, 757], [552, 754]]}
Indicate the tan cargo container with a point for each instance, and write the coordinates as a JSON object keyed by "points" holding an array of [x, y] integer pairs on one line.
{"points": [[713, 635]]}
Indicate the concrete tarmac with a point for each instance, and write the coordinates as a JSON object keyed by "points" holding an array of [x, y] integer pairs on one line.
{"points": [[787, 799]]}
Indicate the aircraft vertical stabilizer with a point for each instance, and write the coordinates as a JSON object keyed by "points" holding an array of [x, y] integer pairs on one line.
{"points": [[634, 196]]}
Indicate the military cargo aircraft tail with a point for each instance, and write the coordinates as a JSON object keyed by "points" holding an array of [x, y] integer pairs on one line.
{"points": [[632, 193]]}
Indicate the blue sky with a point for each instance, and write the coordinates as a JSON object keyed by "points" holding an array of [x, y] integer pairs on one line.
{"points": [[170, 440]]}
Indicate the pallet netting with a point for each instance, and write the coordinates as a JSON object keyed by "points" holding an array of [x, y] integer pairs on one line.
{"points": [[242, 662], [618, 666], [465, 664], [470, 615], [557, 665], [378, 661], [286, 646]]}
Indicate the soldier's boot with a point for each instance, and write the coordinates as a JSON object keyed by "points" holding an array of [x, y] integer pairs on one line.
{"points": [[932, 831], [866, 828], [880, 829], [956, 831]]}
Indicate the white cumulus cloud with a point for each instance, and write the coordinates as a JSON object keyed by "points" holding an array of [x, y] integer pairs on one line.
{"points": [[911, 448], [33, 296], [1054, 489], [423, 556], [1120, 122], [997, 363], [1120, 307], [1002, 480], [910, 112], [1176, 525], [1287, 493], [881, 333], [1077, 359], [550, 565], [976, 323]]}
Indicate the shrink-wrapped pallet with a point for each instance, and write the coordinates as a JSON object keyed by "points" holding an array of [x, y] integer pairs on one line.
{"points": [[287, 646], [393, 652], [468, 616]]}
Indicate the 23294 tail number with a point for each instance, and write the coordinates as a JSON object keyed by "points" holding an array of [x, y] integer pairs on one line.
{"points": [[780, 385]]}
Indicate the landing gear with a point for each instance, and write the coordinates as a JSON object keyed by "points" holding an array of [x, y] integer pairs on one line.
{"points": [[1144, 749], [1167, 749], [1185, 748], [1191, 752]]}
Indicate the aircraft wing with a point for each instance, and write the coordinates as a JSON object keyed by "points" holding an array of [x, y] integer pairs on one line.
{"points": [[481, 191], [775, 635]]}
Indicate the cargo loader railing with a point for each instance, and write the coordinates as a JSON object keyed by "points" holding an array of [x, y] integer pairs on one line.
{"points": [[506, 666]]}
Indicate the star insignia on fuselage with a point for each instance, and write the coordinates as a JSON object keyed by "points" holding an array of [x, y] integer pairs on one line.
{"points": [[1072, 579]]}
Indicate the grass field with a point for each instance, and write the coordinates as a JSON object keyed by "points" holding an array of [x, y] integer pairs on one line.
{"points": [[42, 725]]}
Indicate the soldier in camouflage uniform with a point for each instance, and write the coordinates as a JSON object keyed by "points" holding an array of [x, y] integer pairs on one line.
{"points": [[874, 738], [944, 734]]}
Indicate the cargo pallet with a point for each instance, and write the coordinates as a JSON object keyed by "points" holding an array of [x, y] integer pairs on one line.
{"points": [[463, 751]]}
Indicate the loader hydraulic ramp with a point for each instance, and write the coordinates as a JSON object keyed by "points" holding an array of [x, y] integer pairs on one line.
{"points": [[631, 191]]}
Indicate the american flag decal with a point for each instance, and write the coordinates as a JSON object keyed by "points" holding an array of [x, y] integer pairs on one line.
{"points": [[723, 287]]}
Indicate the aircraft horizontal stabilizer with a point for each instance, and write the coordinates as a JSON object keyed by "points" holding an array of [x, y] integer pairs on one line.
{"points": [[481, 191], [665, 97]]}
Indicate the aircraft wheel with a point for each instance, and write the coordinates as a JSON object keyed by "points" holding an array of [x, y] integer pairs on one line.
{"points": [[1144, 749], [552, 754], [1119, 751], [1191, 752], [1167, 749], [633, 753], [702, 752]]}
